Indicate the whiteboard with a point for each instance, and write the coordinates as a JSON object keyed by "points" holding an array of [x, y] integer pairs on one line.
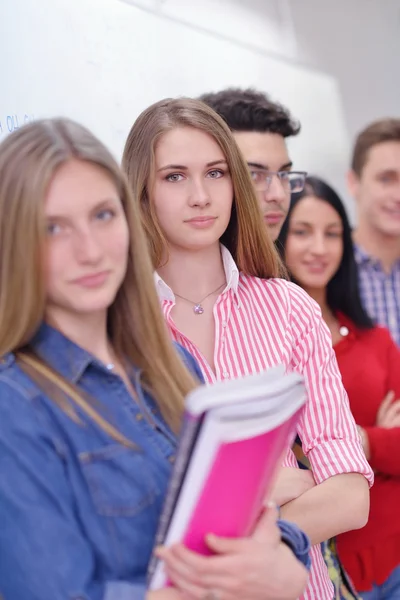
{"points": [[101, 62]]}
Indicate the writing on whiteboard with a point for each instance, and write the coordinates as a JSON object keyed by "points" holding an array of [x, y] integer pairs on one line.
{"points": [[14, 121]]}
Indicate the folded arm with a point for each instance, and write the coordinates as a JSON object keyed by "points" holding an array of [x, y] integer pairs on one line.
{"points": [[319, 513], [330, 440]]}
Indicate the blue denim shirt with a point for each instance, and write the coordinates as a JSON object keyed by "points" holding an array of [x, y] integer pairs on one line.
{"points": [[78, 511]]}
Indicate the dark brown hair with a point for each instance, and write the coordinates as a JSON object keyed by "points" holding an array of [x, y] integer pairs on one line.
{"points": [[378, 132], [251, 110]]}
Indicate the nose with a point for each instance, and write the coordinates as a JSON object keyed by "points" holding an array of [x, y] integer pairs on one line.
{"points": [[276, 191], [199, 195], [87, 247], [318, 244]]}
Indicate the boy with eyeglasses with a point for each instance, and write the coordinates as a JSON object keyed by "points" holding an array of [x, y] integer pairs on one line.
{"points": [[260, 128]]}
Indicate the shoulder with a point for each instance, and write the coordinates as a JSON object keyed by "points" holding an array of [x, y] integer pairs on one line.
{"points": [[189, 361], [13, 381], [377, 336], [18, 410], [287, 295]]}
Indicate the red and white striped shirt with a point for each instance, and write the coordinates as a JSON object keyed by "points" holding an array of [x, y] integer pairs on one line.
{"points": [[260, 323]]}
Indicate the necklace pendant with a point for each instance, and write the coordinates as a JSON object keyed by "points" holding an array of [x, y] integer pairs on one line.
{"points": [[198, 309]]}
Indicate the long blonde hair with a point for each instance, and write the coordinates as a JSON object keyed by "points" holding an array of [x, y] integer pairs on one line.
{"points": [[29, 159], [246, 236]]}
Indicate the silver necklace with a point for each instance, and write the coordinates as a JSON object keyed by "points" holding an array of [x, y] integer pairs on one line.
{"points": [[197, 308]]}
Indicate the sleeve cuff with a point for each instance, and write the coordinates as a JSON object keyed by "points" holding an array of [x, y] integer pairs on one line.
{"points": [[297, 541], [122, 590], [339, 457]]}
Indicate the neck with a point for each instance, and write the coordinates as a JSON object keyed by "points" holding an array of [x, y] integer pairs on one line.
{"points": [[193, 275], [378, 245], [319, 295], [88, 331]]}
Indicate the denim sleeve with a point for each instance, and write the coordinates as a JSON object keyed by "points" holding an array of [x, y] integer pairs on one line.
{"points": [[120, 590], [44, 554], [297, 541]]}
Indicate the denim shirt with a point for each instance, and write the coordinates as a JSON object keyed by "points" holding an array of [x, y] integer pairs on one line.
{"points": [[79, 511]]}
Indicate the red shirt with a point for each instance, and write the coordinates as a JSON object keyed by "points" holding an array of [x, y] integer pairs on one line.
{"points": [[369, 361]]}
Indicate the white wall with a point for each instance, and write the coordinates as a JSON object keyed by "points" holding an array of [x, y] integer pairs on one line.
{"points": [[334, 64], [358, 42]]}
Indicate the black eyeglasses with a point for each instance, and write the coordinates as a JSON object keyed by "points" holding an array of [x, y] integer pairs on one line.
{"points": [[291, 181]]}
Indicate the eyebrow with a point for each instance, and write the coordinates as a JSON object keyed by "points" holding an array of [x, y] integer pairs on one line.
{"points": [[305, 224], [98, 206], [255, 165], [388, 172], [185, 168]]}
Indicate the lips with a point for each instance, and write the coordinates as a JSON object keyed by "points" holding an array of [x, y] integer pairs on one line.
{"points": [[92, 280], [200, 219], [316, 267], [274, 217], [201, 222], [392, 212]]}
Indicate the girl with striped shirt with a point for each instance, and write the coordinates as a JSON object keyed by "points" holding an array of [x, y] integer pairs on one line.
{"points": [[219, 281]]}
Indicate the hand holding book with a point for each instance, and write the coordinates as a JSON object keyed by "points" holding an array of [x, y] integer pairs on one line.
{"points": [[232, 443], [257, 567]]}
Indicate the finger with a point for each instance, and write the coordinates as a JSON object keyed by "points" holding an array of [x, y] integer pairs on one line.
{"points": [[222, 545], [192, 561], [393, 410], [179, 567], [386, 402], [217, 565], [225, 584], [390, 418], [186, 587]]}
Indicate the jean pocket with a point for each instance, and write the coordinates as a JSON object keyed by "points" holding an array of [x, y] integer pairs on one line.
{"points": [[119, 480]]}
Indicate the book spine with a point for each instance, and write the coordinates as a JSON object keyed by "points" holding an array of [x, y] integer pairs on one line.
{"points": [[190, 431]]}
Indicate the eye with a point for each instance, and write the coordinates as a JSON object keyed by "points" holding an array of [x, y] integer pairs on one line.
{"points": [[334, 234], [257, 176], [174, 177], [388, 178], [215, 174], [106, 214], [299, 232], [53, 229]]}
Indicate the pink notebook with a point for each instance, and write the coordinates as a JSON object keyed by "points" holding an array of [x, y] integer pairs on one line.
{"points": [[233, 440]]}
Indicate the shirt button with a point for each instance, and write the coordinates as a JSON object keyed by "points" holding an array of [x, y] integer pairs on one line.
{"points": [[225, 375], [172, 459], [139, 417], [224, 323]]}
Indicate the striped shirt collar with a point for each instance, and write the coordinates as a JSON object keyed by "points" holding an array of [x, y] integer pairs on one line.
{"points": [[362, 258], [361, 255], [231, 274]]}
